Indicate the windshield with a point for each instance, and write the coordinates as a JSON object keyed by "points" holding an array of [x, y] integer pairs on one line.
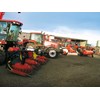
{"points": [[3, 33], [3, 25], [37, 37], [13, 32], [9, 31]]}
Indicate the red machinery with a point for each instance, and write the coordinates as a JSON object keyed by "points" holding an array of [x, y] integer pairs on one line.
{"points": [[48, 49], [83, 51], [71, 47], [52, 46], [1, 14], [9, 31], [33, 58]]}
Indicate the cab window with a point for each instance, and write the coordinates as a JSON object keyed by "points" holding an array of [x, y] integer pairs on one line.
{"points": [[3, 26]]}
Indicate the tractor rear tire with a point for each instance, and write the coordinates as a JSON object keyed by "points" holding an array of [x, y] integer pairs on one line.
{"points": [[52, 53], [2, 57]]}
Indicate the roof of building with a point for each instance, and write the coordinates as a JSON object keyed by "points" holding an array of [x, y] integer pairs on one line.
{"points": [[70, 38]]}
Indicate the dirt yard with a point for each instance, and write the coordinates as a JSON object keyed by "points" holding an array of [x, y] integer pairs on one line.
{"points": [[65, 71]]}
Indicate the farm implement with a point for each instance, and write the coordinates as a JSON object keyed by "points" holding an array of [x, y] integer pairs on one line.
{"points": [[20, 61]]}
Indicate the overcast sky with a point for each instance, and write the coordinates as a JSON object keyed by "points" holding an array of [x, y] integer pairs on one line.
{"points": [[83, 25]]}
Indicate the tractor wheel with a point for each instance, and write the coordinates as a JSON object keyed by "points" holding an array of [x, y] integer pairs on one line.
{"points": [[2, 57], [52, 53], [92, 55], [80, 54]]}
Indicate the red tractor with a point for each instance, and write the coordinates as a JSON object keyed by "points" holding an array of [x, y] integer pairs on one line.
{"points": [[9, 31], [45, 47], [50, 46]]}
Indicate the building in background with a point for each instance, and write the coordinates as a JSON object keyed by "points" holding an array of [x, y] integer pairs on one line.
{"points": [[81, 42], [97, 48], [98, 43]]}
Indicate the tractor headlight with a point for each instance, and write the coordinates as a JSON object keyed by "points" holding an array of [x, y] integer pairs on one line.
{"points": [[39, 51], [30, 48]]}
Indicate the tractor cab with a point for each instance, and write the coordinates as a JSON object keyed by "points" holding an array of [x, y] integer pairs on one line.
{"points": [[9, 30], [37, 36]]}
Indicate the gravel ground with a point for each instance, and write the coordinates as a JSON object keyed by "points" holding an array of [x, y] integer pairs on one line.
{"points": [[65, 71]]}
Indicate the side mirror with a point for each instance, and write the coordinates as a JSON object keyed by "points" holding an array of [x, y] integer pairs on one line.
{"points": [[20, 31]]}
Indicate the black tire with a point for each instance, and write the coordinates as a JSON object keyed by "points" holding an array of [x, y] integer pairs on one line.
{"points": [[2, 57], [79, 50], [80, 54]]}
